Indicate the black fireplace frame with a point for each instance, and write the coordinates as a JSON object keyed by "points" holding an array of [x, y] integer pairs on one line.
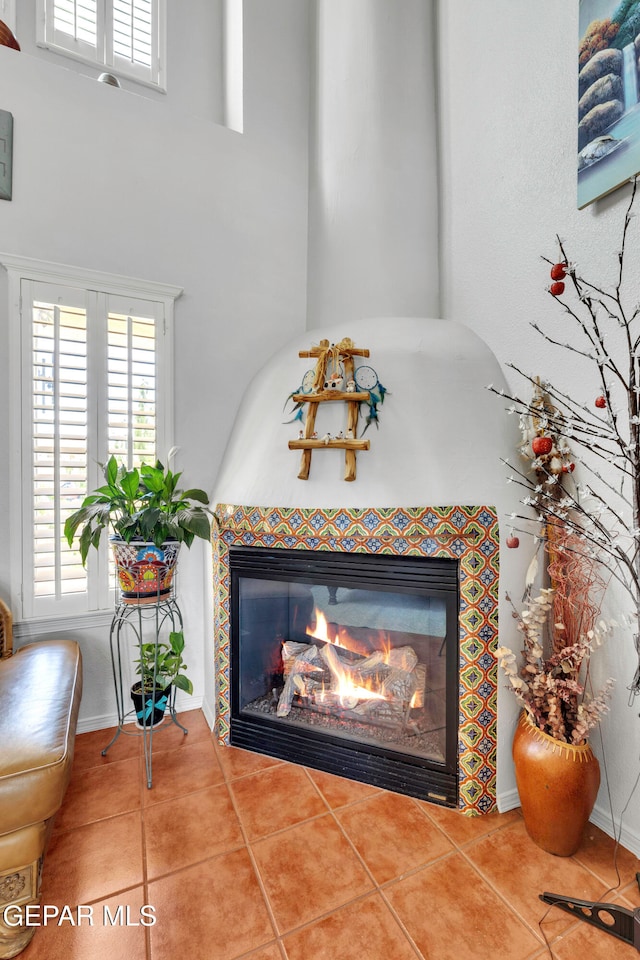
{"points": [[377, 765]]}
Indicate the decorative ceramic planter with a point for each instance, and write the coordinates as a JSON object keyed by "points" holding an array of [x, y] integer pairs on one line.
{"points": [[145, 572], [149, 708], [557, 783]]}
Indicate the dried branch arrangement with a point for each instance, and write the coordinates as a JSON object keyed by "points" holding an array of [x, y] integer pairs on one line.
{"points": [[600, 512], [552, 687]]}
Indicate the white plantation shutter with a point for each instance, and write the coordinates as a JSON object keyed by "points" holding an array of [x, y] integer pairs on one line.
{"points": [[127, 36], [59, 447], [131, 385], [77, 19], [131, 388], [133, 22], [96, 380]]}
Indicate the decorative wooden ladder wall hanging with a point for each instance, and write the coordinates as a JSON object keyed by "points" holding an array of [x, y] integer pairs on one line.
{"points": [[350, 444]]}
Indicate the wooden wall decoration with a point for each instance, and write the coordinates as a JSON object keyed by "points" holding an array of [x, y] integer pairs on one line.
{"points": [[334, 369]]}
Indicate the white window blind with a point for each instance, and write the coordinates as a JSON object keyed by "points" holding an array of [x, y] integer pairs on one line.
{"points": [[77, 19], [59, 445], [95, 380], [127, 36], [131, 388], [132, 22]]}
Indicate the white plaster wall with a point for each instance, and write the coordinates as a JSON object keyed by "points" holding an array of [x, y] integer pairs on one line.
{"points": [[373, 199], [110, 180], [508, 160], [426, 451]]}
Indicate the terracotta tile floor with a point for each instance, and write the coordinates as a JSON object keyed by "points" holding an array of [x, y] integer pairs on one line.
{"points": [[243, 856]]}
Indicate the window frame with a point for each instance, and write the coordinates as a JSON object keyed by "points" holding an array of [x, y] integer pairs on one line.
{"points": [[103, 55], [99, 596]]}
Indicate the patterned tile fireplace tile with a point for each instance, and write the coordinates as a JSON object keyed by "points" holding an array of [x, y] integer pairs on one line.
{"points": [[468, 534]]}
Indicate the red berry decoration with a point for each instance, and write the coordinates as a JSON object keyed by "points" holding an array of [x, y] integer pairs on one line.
{"points": [[568, 467], [541, 445], [558, 271], [601, 402], [512, 542], [557, 289]]}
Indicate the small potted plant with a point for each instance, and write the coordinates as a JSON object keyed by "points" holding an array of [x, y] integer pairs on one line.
{"points": [[150, 517], [160, 667]]}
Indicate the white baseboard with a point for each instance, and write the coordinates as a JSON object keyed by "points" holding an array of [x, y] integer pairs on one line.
{"points": [[97, 723], [629, 839], [209, 713], [508, 800], [183, 704]]}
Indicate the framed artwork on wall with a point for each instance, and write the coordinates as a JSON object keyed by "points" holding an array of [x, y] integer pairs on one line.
{"points": [[608, 96]]}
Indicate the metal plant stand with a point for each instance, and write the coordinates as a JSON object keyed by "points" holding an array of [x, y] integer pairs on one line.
{"points": [[161, 616]]}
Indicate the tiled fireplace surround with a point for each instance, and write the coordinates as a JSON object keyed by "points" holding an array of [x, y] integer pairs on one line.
{"points": [[468, 534]]}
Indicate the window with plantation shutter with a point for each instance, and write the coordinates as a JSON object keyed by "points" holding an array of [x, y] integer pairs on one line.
{"points": [[95, 380], [125, 36]]}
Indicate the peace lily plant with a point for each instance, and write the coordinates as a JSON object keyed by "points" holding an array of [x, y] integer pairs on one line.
{"points": [[143, 504]]}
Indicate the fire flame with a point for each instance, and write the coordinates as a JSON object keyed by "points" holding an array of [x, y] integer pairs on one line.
{"points": [[348, 692], [321, 629]]}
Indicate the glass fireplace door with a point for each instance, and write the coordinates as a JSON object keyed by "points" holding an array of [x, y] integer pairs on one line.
{"points": [[356, 655]]}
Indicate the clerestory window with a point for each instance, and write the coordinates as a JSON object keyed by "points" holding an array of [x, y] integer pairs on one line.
{"points": [[127, 37]]}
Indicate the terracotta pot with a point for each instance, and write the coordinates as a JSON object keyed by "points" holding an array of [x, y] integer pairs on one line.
{"points": [[557, 783]]}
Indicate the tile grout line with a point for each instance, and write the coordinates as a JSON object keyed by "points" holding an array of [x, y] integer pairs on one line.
{"points": [[257, 950], [145, 873], [376, 886], [511, 907], [254, 865], [344, 906], [348, 903], [537, 932], [248, 843]]}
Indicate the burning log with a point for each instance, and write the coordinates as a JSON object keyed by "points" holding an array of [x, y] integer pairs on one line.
{"points": [[299, 665], [380, 688]]}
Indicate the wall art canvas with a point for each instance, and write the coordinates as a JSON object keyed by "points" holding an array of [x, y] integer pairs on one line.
{"points": [[608, 107]]}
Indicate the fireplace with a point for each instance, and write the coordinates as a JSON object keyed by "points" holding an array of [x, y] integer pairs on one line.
{"points": [[436, 455], [401, 600], [348, 662]]}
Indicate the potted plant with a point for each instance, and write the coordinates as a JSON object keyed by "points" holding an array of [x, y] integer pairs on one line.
{"points": [[150, 517], [160, 666]]}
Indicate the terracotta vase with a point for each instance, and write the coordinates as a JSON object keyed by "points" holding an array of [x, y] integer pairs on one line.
{"points": [[557, 783]]}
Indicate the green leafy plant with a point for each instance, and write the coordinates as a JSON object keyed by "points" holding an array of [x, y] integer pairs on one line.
{"points": [[144, 504], [163, 663]]}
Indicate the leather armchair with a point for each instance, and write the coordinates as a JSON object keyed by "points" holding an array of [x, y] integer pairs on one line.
{"points": [[40, 691]]}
